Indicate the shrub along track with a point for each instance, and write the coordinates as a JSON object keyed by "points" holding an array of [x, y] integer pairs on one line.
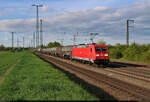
{"points": [[119, 89]]}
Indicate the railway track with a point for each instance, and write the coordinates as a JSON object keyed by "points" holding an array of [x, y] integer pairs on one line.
{"points": [[129, 70], [131, 74], [138, 70], [135, 71], [130, 64], [119, 89]]}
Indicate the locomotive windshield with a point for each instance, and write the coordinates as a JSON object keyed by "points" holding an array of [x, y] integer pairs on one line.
{"points": [[100, 49]]}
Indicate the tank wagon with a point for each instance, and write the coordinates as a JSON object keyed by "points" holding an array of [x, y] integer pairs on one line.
{"points": [[90, 53], [67, 52], [63, 51], [49, 51]]}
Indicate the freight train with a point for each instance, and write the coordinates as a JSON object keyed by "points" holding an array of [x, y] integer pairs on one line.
{"points": [[87, 53]]}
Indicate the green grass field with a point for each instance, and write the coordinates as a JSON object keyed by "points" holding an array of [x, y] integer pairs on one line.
{"points": [[7, 59], [34, 79]]}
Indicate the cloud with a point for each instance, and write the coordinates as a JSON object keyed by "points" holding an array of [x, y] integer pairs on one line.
{"points": [[17, 25], [109, 22], [26, 12], [6, 39], [46, 9]]}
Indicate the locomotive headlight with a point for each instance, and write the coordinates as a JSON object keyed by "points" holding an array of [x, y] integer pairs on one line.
{"points": [[97, 55], [106, 54]]}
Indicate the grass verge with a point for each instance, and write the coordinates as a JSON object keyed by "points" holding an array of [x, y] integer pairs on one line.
{"points": [[34, 79], [7, 59]]}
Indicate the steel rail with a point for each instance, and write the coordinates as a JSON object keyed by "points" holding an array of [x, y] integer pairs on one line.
{"points": [[128, 89]]}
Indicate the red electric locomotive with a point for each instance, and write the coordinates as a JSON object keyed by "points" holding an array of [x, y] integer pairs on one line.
{"points": [[91, 53]]}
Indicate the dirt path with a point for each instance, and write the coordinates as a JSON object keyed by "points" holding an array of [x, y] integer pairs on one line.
{"points": [[7, 72]]}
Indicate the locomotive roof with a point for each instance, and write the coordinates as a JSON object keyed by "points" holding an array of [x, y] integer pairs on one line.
{"points": [[68, 46], [87, 45]]}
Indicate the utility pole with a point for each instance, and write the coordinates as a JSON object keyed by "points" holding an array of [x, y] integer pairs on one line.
{"points": [[128, 31], [41, 34], [17, 42], [74, 38], [23, 42], [31, 43], [92, 36], [61, 40], [34, 40], [37, 23], [12, 39]]}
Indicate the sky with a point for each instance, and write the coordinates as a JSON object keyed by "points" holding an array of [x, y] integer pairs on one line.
{"points": [[62, 19]]}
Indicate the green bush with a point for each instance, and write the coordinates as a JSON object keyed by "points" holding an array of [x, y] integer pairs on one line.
{"points": [[134, 52], [117, 51], [101, 42], [146, 56], [2, 47], [54, 44]]}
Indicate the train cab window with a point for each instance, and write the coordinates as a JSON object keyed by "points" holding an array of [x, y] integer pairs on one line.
{"points": [[101, 49]]}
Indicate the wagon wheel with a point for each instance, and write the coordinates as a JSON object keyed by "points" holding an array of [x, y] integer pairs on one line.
{"points": [[90, 63]]}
